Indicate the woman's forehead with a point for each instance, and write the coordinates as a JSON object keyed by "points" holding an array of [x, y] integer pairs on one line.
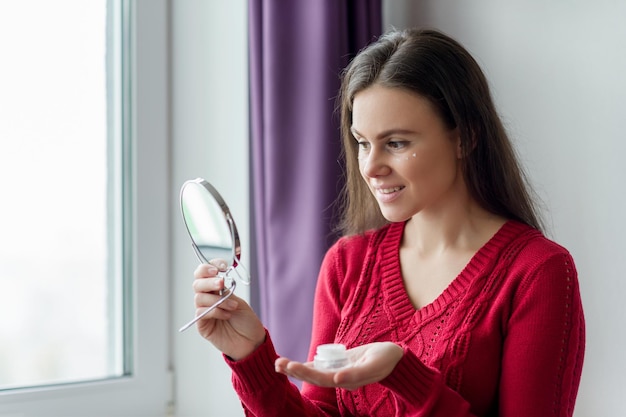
{"points": [[379, 109]]}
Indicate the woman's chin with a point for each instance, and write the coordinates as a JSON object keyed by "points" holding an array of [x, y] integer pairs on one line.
{"points": [[395, 217]]}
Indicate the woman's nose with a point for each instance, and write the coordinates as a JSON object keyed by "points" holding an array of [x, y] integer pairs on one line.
{"points": [[374, 164]]}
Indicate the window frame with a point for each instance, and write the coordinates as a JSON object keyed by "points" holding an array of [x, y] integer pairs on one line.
{"points": [[147, 390]]}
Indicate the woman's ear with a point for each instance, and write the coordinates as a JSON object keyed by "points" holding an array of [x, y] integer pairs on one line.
{"points": [[456, 137], [463, 151]]}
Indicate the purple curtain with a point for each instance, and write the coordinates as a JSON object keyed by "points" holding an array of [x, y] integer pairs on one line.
{"points": [[297, 51]]}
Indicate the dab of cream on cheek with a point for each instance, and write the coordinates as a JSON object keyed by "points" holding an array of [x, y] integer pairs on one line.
{"points": [[406, 158], [331, 357]]}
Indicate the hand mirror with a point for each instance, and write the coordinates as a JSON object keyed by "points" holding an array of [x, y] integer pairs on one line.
{"points": [[213, 235]]}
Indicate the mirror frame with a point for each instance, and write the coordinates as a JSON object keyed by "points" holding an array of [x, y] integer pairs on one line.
{"points": [[236, 243], [230, 283]]}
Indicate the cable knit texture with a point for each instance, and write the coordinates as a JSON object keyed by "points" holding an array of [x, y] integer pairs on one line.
{"points": [[506, 338]]}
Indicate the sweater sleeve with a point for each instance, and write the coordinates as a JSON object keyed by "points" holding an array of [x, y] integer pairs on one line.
{"points": [[421, 391], [544, 343], [541, 360], [263, 391]]}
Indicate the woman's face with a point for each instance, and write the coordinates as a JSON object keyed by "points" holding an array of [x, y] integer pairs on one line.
{"points": [[407, 156]]}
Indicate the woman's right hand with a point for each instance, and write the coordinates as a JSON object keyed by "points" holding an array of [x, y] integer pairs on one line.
{"points": [[232, 327]]}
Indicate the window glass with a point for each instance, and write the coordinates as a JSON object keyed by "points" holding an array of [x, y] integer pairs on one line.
{"points": [[60, 219]]}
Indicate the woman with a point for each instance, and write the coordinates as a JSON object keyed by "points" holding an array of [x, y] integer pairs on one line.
{"points": [[449, 298]]}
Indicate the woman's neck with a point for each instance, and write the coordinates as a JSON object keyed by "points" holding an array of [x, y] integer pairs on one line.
{"points": [[464, 227]]}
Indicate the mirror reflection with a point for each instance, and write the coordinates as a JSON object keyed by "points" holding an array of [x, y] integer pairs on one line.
{"points": [[206, 222], [213, 234]]}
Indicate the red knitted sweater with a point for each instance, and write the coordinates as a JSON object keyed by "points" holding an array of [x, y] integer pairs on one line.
{"points": [[506, 338]]}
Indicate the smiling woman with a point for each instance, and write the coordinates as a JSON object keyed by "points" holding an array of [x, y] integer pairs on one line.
{"points": [[408, 137], [458, 305]]}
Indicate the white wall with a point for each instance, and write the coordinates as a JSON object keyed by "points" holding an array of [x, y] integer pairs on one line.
{"points": [[558, 73], [209, 111]]}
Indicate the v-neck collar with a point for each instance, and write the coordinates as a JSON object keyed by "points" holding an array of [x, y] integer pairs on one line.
{"points": [[393, 284]]}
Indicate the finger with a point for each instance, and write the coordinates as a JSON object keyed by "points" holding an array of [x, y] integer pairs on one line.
{"points": [[219, 263], [208, 284], [348, 378], [220, 309], [305, 372], [215, 314], [205, 271], [353, 378], [280, 364], [359, 375], [203, 299]]}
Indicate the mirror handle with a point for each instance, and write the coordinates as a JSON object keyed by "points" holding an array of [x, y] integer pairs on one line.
{"points": [[226, 293]]}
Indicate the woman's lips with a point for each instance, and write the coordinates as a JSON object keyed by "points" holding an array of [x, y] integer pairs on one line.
{"points": [[387, 194]]}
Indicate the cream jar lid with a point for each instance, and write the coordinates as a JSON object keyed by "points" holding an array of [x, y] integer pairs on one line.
{"points": [[331, 352]]}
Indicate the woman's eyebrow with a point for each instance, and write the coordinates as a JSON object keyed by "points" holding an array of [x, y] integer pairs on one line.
{"points": [[354, 132], [383, 134]]}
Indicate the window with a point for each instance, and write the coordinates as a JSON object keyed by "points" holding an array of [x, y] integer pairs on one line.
{"points": [[83, 253], [59, 168]]}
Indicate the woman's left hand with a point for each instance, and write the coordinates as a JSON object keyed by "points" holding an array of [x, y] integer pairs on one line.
{"points": [[368, 364]]}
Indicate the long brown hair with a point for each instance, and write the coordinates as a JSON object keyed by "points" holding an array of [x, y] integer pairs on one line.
{"points": [[438, 68]]}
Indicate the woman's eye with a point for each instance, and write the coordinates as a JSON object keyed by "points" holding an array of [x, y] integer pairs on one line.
{"points": [[363, 145], [396, 144]]}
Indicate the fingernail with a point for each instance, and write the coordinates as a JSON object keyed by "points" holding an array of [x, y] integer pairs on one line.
{"points": [[211, 269], [232, 303], [222, 265]]}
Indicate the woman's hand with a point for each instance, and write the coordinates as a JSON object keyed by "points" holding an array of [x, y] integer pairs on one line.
{"points": [[369, 363], [232, 327]]}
